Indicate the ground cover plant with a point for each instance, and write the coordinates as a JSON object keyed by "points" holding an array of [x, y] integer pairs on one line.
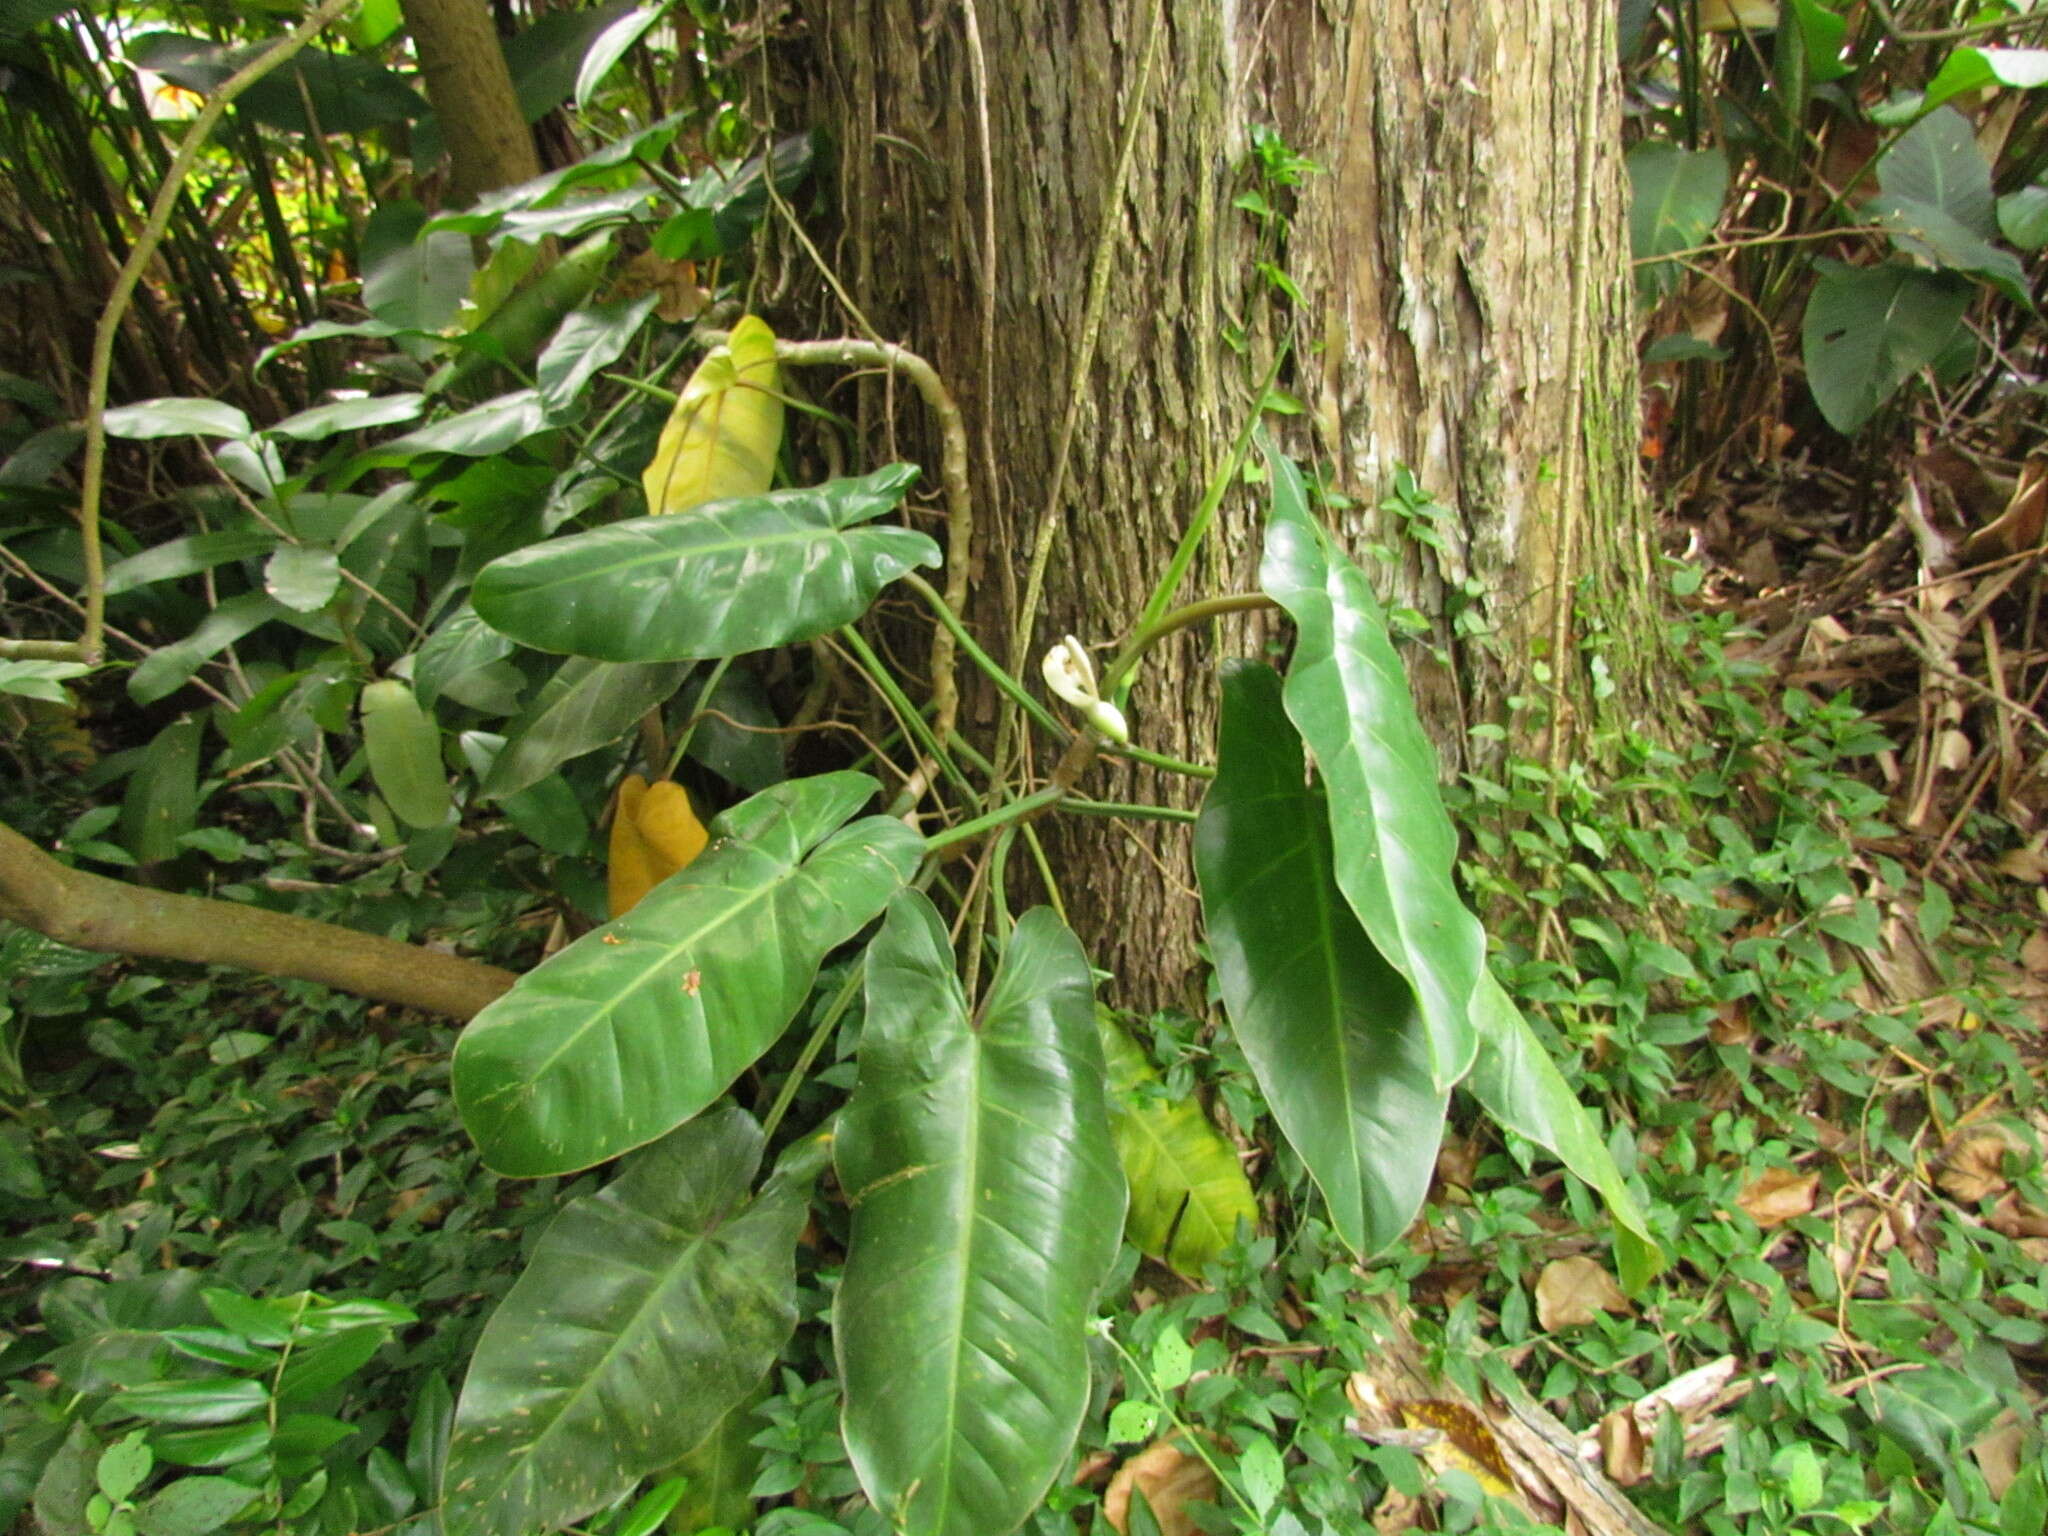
{"points": [[802, 1182]]}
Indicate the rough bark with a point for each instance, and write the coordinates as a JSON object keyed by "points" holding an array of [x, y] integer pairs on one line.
{"points": [[89, 911], [1436, 257], [470, 88]]}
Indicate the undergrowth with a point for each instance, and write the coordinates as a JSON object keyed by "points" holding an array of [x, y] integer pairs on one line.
{"points": [[1822, 1073]]}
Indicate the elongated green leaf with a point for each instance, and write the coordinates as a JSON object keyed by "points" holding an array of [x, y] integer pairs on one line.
{"points": [[461, 646], [187, 556], [728, 577], [588, 340], [582, 707], [1188, 1190], [1869, 329], [1395, 847], [164, 672], [1332, 1032], [986, 1204], [177, 416], [404, 748], [612, 45], [649, 1310], [477, 433], [634, 1028], [349, 416], [1521, 1087]]}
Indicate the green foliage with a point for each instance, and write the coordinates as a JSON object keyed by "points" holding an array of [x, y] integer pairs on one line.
{"points": [[1830, 125], [986, 1205]]}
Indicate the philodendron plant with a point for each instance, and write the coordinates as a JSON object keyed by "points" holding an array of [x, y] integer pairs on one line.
{"points": [[981, 1153]]}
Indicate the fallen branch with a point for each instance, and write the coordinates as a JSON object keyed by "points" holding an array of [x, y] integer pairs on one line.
{"points": [[90, 911]]}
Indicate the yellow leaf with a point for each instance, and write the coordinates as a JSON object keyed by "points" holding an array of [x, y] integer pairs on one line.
{"points": [[670, 828], [722, 437], [654, 833], [629, 874]]}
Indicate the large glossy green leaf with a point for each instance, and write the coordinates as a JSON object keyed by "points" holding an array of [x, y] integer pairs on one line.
{"points": [[1332, 1032], [163, 672], [1521, 1087], [732, 576], [986, 1205], [636, 1027], [1395, 847], [582, 707], [648, 1311], [1188, 1190]]}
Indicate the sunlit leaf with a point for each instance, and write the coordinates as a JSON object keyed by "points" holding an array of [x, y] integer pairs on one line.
{"points": [[1188, 1189]]}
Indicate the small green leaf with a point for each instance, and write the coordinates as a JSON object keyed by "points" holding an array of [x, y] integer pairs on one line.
{"points": [[186, 557], [1172, 1360], [1260, 1472], [404, 749], [219, 1401], [1132, 1420], [236, 1046], [301, 577], [478, 433], [2023, 217], [164, 671], [589, 340], [162, 801], [585, 705], [40, 679], [612, 45], [124, 1466]]}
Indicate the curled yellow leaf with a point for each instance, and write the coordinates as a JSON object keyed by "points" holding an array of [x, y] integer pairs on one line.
{"points": [[655, 832]]}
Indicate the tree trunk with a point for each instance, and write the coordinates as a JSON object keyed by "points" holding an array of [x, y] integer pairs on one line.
{"points": [[470, 87], [1463, 311]]}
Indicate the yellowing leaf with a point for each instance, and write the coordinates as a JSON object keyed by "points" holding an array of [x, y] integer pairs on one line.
{"points": [[670, 829], [629, 872], [654, 833], [1187, 1187], [721, 439]]}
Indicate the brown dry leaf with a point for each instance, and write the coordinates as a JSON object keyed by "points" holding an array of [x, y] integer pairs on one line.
{"points": [[1997, 1452], [1779, 1195], [2020, 525], [1397, 1512], [2034, 953], [2023, 864], [1573, 1291], [1457, 1162], [2017, 1219], [1170, 1478], [1623, 1451], [1731, 1025], [1974, 1168]]}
